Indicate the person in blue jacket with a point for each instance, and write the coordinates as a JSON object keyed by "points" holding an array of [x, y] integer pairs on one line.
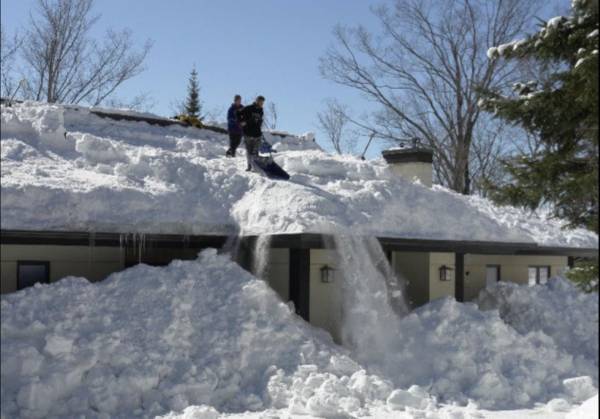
{"points": [[234, 126]]}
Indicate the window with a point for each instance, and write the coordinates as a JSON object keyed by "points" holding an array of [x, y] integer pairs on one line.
{"points": [[538, 274], [30, 272], [492, 274]]}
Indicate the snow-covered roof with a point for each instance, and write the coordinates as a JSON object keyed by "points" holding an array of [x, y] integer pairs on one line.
{"points": [[64, 168]]}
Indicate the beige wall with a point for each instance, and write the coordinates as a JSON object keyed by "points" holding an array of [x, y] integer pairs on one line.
{"points": [[94, 263], [513, 268], [421, 270], [437, 288], [420, 170], [325, 304]]}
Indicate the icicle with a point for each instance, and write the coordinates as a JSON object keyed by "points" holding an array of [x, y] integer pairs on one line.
{"points": [[232, 246], [91, 244], [121, 255]]}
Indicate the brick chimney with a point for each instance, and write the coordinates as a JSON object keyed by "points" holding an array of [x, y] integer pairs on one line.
{"points": [[411, 162]]}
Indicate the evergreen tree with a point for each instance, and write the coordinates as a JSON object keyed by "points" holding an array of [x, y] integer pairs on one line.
{"points": [[192, 103], [562, 110]]}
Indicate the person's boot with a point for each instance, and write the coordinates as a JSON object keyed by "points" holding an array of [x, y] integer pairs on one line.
{"points": [[228, 153], [248, 169]]}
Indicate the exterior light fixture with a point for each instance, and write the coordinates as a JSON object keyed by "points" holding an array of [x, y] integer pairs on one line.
{"points": [[445, 273], [327, 274]]}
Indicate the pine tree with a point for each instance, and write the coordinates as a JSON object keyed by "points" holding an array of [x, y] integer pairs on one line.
{"points": [[562, 110], [192, 103]]}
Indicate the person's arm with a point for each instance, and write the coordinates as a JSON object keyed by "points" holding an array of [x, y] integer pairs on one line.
{"points": [[243, 116], [231, 119]]}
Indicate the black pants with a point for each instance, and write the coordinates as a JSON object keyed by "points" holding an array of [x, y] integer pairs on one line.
{"points": [[252, 147], [234, 143]]}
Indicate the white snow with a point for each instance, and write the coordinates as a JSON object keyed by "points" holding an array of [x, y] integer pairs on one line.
{"points": [[153, 340], [96, 174], [587, 410], [555, 21], [557, 309], [150, 340]]}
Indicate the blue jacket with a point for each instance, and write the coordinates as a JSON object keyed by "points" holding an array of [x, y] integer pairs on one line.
{"points": [[233, 119]]}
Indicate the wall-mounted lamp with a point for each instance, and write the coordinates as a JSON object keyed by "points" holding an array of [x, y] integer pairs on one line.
{"points": [[445, 273], [327, 274]]}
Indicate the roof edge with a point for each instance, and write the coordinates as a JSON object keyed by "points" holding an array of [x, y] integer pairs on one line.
{"points": [[297, 241]]}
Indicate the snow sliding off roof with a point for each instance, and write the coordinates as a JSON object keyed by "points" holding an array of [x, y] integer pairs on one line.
{"points": [[67, 169]]}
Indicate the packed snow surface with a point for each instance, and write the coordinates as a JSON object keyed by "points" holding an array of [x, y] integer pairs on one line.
{"points": [[153, 340], [96, 174]]}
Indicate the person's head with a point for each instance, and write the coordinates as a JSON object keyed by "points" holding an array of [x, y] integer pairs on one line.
{"points": [[260, 101], [237, 99]]}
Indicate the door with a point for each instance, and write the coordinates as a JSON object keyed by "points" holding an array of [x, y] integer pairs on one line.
{"points": [[300, 281], [492, 275]]}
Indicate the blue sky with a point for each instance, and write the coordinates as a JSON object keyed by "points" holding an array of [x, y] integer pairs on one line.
{"points": [[268, 47]]}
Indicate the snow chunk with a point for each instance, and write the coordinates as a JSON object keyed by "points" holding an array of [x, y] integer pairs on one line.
{"points": [[492, 52], [555, 22], [580, 389]]}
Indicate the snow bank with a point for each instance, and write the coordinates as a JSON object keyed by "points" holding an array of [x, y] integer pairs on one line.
{"points": [[458, 353], [153, 340], [92, 173], [150, 340], [587, 410], [556, 308]]}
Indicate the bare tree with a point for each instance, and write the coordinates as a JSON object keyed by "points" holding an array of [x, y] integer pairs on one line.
{"points": [[333, 121], [65, 65], [142, 102], [271, 116], [9, 48], [425, 70]]}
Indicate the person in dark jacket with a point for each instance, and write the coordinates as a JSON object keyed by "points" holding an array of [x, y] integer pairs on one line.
{"points": [[252, 119], [234, 126]]}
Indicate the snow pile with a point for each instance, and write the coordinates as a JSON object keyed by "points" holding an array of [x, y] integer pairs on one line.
{"points": [[99, 174], [458, 352], [557, 308], [587, 410], [150, 340]]}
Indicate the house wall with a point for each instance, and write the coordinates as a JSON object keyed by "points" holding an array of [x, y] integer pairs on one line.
{"points": [[413, 268], [94, 263], [420, 170], [513, 268], [437, 288], [325, 301]]}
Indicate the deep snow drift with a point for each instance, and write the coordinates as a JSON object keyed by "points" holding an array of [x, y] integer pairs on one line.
{"points": [[96, 174], [150, 340]]}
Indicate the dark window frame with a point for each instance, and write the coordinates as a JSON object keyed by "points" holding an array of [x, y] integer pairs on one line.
{"points": [[537, 272], [498, 271], [44, 263]]}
